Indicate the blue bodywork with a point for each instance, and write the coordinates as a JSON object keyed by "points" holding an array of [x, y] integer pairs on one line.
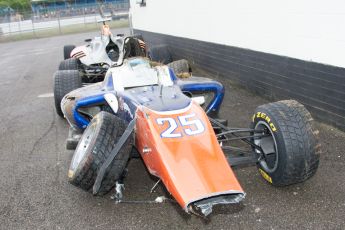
{"points": [[155, 97], [211, 86], [81, 121]]}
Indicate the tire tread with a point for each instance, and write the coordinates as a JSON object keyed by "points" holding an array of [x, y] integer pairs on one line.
{"points": [[300, 137], [110, 132], [64, 82]]}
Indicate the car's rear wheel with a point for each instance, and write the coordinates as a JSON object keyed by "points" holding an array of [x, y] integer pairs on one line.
{"points": [[69, 64], [289, 148], [64, 82], [96, 144], [181, 68], [67, 49]]}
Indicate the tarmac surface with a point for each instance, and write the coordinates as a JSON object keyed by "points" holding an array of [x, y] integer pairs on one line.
{"points": [[35, 193]]}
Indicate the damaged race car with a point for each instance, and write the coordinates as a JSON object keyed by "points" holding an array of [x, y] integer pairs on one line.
{"points": [[88, 64], [93, 59], [143, 107]]}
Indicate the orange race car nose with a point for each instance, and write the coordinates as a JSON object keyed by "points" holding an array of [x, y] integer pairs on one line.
{"points": [[180, 147]]}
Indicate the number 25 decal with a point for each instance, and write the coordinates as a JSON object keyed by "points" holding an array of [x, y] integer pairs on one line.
{"points": [[184, 121]]}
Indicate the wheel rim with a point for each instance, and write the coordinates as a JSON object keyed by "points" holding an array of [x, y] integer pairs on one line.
{"points": [[269, 161], [83, 146]]}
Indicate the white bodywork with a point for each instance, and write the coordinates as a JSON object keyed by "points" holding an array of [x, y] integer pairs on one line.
{"points": [[95, 52], [112, 101], [137, 72]]}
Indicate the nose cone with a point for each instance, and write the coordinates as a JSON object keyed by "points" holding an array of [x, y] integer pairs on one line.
{"points": [[190, 161]]}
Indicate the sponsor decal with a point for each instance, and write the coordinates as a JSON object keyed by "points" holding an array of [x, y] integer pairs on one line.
{"points": [[265, 117], [265, 175]]}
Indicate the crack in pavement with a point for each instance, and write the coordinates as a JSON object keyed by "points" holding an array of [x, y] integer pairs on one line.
{"points": [[52, 124]]}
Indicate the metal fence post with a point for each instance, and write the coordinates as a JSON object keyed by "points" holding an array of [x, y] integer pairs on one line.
{"points": [[84, 17], [59, 22], [9, 27], [33, 27], [19, 27]]}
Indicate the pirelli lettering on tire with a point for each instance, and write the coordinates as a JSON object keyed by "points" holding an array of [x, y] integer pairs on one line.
{"points": [[265, 175], [265, 117], [70, 173]]}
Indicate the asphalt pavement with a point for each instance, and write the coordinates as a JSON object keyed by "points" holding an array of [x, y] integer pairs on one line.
{"points": [[35, 193]]}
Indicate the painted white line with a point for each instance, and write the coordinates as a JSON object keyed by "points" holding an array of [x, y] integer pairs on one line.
{"points": [[46, 95]]}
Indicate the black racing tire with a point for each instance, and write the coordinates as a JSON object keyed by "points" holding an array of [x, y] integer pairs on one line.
{"points": [[67, 49], [96, 144], [291, 149], [180, 67], [160, 54], [142, 45], [64, 82], [69, 64], [139, 36]]}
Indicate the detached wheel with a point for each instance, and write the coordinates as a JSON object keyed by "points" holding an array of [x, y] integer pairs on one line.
{"points": [[181, 68], [289, 148], [69, 64], [160, 54], [64, 82], [67, 51], [97, 142]]}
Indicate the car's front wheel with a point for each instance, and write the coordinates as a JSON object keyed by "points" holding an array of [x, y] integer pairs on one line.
{"points": [[289, 142], [96, 144]]}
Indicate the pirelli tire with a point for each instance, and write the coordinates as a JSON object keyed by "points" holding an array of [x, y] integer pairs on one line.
{"points": [[96, 144], [180, 67], [67, 49], [291, 150], [64, 82], [69, 64]]}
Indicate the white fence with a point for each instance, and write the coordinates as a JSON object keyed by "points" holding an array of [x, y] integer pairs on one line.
{"points": [[57, 23]]}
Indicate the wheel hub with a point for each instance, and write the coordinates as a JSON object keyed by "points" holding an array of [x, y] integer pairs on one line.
{"points": [[83, 146], [268, 144]]}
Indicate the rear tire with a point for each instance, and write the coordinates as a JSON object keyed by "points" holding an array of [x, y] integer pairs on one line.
{"points": [[181, 68], [67, 51], [291, 149], [64, 82], [96, 144], [69, 64]]}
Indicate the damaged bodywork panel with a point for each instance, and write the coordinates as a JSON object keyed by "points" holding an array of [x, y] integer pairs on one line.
{"points": [[204, 205]]}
